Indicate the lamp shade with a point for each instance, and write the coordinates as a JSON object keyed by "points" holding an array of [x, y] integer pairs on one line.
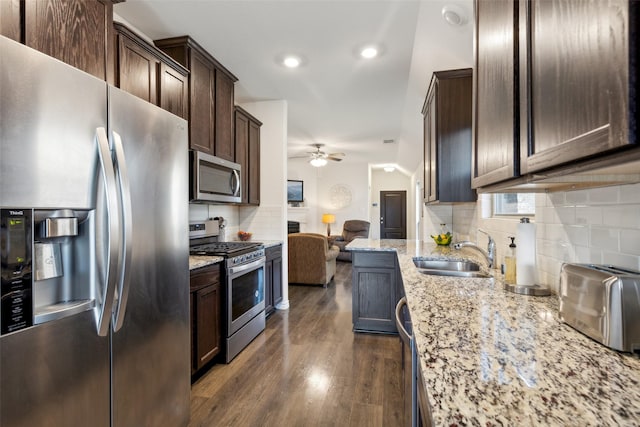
{"points": [[328, 218]]}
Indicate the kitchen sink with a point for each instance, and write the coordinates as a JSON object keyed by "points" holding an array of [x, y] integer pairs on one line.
{"points": [[441, 267]]}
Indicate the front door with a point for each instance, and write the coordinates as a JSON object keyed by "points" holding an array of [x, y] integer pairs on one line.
{"points": [[393, 214]]}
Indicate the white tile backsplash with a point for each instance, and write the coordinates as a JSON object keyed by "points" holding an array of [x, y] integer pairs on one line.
{"points": [[599, 225]]}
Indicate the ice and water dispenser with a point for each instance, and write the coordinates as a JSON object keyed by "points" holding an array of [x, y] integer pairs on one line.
{"points": [[47, 266]]}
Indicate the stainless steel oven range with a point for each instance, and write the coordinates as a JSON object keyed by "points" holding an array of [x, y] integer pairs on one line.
{"points": [[243, 316]]}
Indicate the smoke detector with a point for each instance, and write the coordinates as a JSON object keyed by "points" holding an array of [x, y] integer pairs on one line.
{"points": [[454, 15]]}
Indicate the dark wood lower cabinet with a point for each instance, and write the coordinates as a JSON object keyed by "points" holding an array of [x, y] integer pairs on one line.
{"points": [[273, 278], [375, 288], [206, 333]]}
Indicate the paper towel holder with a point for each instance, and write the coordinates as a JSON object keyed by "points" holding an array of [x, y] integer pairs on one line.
{"points": [[532, 290]]}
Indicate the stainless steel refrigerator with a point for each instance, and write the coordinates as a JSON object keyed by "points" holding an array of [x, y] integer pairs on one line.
{"points": [[94, 248]]}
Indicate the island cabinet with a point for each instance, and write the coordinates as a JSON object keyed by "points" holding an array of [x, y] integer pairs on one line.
{"points": [[376, 289], [78, 32], [206, 319], [555, 88], [211, 92], [148, 73], [247, 147], [273, 278], [447, 137]]}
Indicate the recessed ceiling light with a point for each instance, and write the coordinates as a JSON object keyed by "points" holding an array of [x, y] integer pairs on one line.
{"points": [[291, 61], [369, 52]]}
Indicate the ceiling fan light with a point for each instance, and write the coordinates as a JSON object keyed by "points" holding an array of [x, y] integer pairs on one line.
{"points": [[318, 162]]}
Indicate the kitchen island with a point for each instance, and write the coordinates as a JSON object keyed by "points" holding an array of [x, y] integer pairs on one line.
{"points": [[490, 357]]}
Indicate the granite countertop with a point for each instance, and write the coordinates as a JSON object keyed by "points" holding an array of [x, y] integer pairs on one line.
{"points": [[197, 261], [491, 357]]}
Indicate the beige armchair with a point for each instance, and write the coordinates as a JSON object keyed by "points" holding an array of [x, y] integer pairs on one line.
{"points": [[311, 260], [352, 229]]}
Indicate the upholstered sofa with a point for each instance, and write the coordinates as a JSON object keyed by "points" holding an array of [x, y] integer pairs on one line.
{"points": [[311, 260], [351, 229]]}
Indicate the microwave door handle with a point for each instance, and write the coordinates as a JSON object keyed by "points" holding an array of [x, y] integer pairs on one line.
{"points": [[236, 180], [124, 270], [105, 305]]}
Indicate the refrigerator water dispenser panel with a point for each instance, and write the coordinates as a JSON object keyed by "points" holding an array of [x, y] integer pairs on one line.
{"points": [[16, 310]]}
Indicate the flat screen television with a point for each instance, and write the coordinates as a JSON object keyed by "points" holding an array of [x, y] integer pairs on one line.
{"points": [[295, 191]]}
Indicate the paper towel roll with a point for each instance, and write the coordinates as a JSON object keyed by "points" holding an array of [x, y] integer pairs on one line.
{"points": [[526, 273]]}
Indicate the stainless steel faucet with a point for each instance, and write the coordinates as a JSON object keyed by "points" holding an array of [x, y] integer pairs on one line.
{"points": [[489, 254]]}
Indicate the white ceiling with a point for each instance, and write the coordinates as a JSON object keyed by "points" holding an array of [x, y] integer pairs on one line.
{"points": [[335, 98]]}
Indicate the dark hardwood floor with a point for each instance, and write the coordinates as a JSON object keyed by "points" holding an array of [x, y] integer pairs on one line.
{"points": [[307, 369]]}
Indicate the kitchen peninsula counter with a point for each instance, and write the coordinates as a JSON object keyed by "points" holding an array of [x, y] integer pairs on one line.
{"points": [[490, 357]]}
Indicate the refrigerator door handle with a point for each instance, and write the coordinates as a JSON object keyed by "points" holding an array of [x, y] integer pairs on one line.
{"points": [[124, 269], [105, 305]]}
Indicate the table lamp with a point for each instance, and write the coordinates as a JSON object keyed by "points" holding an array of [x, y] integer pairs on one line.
{"points": [[328, 219]]}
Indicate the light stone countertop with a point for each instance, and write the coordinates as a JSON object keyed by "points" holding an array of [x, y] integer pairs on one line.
{"points": [[197, 261], [491, 357]]}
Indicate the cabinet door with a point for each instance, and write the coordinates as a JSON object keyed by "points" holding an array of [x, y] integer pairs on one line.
{"points": [[137, 70], [208, 324], [277, 280], [173, 91], [495, 136], [374, 299], [432, 180], [574, 76], [242, 152], [224, 143], [77, 32], [202, 92], [254, 163], [268, 288], [10, 19]]}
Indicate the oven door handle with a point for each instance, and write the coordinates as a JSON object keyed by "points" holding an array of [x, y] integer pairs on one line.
{"points": [[253, 265]]}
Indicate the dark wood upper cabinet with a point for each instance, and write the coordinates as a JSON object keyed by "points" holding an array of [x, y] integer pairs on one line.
{"points": [[574, 79], [10, 19], [211, 97], [224, 144], [495, 134], [174, 90], [78, 32], [447, 137], [555, 94], [148, 73], [247, 148]]}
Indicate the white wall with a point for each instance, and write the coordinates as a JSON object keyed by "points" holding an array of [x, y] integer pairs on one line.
{"points": [[599, 226], [321, 186], [390, 181], [352, 177]]}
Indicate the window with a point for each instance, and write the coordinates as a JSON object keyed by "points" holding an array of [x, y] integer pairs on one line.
{"points": [[514, 204]]}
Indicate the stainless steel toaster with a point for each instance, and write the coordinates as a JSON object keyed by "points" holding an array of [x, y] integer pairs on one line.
{"points": [[602, 302]]}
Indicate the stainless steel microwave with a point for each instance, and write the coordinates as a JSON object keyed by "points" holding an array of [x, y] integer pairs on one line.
{"points": [[213, 179]]}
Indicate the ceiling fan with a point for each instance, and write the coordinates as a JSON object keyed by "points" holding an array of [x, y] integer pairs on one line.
{"points": [[319, 158]]}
